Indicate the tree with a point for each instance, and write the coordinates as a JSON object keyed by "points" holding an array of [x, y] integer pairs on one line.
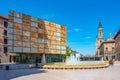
{"points": [[68, 53]]}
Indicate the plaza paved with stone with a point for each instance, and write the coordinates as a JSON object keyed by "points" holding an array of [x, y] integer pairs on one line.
{"points": [[110, 73]]}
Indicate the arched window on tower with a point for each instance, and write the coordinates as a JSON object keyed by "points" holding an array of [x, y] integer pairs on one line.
{"points": [[100, 41], [100, 33]]}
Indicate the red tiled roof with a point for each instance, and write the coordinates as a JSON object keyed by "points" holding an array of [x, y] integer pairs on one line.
{"points": [[107, 41], [117, 33], [4, 17]]}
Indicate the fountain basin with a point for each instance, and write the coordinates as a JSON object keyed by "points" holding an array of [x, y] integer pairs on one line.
{"points": [[79, 66]]}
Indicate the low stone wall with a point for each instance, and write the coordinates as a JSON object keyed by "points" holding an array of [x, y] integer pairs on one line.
{"points": [[17, 66]]}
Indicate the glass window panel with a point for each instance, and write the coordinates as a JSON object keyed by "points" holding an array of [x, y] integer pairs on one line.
{"points": [[10, 49], [10, 36], [40, 40], [34, 19], [17, 49], [57, 47], [63, 47], [10, 42], [34, 50], [10, 30], [57, 34], [58, 26], [10, 25], [58, 38], [63, 51], [26, 49], [34, 24], [17, 20], [11, 13]]}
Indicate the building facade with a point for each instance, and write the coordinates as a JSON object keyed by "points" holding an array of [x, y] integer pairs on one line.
{"points": [[107, 49], [33, 40], [99, 39], [117, 44], [3, 39]]}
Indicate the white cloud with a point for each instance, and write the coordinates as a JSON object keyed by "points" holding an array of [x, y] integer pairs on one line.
{"points": [[76, 29]]}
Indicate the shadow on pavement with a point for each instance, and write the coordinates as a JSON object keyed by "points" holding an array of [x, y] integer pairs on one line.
{"points": [[11, 74]]}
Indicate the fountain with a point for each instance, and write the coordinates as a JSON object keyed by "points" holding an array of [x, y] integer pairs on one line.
{"points": [[73, 60]]}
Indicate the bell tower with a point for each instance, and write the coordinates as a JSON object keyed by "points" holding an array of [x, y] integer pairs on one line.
{"points": [[99, 38]]}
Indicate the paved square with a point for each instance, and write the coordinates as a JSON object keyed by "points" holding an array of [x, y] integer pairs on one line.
{"points": [[111, 73]]}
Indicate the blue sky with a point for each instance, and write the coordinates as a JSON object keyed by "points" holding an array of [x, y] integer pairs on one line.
{"points": [[81, 18]]}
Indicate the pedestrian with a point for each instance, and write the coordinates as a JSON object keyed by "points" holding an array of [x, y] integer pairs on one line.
{"points": [[110, 62]]}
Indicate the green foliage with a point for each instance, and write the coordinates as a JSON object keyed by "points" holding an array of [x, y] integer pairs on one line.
{"points": [[68, 53], [64, 56]]}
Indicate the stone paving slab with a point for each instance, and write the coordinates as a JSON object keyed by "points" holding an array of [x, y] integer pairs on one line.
{"points": [[111, 73]]}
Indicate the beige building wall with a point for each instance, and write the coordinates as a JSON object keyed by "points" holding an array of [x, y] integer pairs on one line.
{"points": [[107, 50], [117, 45]]}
